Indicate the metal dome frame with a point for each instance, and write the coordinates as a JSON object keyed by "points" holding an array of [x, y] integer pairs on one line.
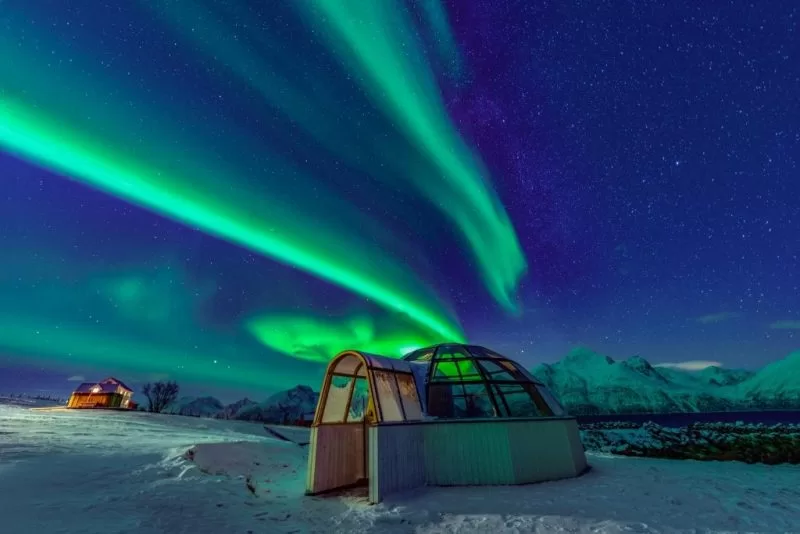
{"points": [[499, 376]]}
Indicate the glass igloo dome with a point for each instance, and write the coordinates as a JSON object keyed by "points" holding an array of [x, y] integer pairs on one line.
{"points": [[469, 381]]}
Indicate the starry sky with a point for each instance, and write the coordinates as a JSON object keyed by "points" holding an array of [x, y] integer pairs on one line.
{"points": [[227, 193]]}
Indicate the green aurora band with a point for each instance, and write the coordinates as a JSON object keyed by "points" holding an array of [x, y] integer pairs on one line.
{"points": [[377, 45], [100, 350], [135, 319], [435, 16], [317, 340], [90, 126], [33, 136], [376, 41]]}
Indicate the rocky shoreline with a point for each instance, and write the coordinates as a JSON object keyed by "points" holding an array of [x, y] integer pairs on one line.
{"points": [[750, 443]]}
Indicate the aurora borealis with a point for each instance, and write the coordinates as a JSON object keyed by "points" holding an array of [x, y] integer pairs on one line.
{"points": [[228, 193], [255, 196]]}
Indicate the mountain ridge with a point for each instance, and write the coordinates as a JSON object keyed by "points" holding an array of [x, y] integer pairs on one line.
{"points": [[590, 383], [289, 406], [587, 383]]}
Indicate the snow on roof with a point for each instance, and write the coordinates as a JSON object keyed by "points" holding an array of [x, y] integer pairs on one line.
{"points": [[111, 379], [390, 364], [109, 385], [348, 361], [90, 387]]}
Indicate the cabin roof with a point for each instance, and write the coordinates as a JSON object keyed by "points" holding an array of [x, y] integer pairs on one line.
{"points": [[109, 385], [111, 379]]}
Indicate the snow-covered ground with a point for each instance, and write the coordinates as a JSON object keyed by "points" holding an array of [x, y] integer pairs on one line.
{"points": [[113, 472], [30, 402]]}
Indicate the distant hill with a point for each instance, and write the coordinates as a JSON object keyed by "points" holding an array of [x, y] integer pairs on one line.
{"points": [[195, 406], [31, 401], [590, 383], [231, 410], [288, 406], [587, 383], [776, 385], [719, 376]]}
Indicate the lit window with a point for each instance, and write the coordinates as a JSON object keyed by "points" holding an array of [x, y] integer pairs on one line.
{"points": [[336, 401]]}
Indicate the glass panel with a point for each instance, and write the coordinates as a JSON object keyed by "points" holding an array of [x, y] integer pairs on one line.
{"points": [[472, 406], [381, 363], [358, 402], [347, 365], [475, 389], [494, 371], [420, 356], [450, 353], [336, 401], [408, 395], [468, 370], [483, 352], [501, 403], [519, 401], [551, 401], [420, 371], [526, 375], [511, 369], [477, 401], [541, 406], [440, 400], [459, 407], [388, 396], [520, 404], [445, 371], [457, 370]]}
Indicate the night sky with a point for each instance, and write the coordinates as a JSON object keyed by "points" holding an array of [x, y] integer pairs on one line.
{"points": [[227, 195]]}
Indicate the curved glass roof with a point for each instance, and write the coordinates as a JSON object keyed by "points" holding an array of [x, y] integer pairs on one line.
{"points": [[472, 381]]}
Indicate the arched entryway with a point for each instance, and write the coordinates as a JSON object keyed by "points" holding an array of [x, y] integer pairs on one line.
{"points": [[359, 390]]}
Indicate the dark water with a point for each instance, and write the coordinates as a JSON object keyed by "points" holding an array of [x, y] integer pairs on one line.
{"points": [[684, 419]]}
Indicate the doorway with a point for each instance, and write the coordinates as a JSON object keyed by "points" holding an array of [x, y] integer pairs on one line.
{"points": [[338, 446], [359, 391]]}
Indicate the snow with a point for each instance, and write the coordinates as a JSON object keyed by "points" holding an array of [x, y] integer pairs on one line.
{"points": [[30, 402], [90, 472], [195, 407], [624, 495], [290, 405], [587, 383], [293, 404], [97, 471], [777, 380]]}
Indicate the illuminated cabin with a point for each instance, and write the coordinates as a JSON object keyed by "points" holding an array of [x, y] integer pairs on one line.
{"points": [[446, 415], [108, 393]]}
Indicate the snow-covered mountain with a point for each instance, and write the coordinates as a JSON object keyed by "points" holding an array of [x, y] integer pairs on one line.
{"points": [[719, 376], [195, 406], [590, 383], [296, 404], [776, 385], [587, 383], [231, 410]]}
